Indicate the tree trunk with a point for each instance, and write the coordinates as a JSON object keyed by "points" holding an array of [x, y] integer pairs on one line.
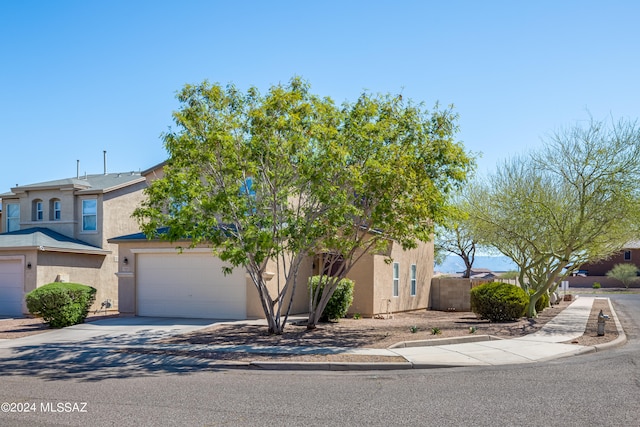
{"points": [[531, 308]]}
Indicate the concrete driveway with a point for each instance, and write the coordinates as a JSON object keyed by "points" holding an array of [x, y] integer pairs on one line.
{"points": [[126, 330]]}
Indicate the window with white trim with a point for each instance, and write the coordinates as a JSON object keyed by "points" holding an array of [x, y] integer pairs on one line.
{"points": [[13, 217], [414, 281], [55, 210], [90, 215], [38, 214], [627, 255], [396, 279]]}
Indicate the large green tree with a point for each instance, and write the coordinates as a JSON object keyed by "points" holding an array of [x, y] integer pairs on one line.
{"points": [[399, 163], [574, 201], [276, 178]]}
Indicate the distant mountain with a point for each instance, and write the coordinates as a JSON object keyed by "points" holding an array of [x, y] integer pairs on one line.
{"points": [[454, 264]]}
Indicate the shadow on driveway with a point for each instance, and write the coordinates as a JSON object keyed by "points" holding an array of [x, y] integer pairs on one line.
{"points": [[91, 351]]}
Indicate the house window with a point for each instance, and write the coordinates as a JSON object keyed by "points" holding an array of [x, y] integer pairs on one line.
{"points": [[38, 210], [396, 279], [55, 210], [13, 217], [627, 255], [413, 280], [89, 215]]}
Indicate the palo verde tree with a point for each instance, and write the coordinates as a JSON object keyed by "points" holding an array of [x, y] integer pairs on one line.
{"points": [[276, 178], [625, 273], [573, 202]]}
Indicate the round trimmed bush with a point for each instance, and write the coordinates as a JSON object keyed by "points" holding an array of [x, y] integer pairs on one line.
{"points": [[61, 304], [339, 302], [499, 302]]}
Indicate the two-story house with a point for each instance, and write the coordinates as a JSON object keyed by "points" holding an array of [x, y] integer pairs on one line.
{"points": [[58, 231]]}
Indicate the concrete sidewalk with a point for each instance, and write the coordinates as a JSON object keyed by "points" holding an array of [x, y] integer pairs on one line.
{"points": [[546, 344]]}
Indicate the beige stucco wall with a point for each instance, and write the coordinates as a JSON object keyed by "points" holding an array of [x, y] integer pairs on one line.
{"points": [[78, 268], [64, 226], [373, 277], [362, 274], [47, 267]]}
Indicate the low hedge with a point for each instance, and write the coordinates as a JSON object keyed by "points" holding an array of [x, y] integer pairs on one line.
{"points": [[339, 302], [499, 302], [61, 304]]}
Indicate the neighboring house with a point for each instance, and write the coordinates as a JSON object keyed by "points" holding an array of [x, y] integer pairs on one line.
{"points": [[156, 279], [597, 271], [58, 231]]}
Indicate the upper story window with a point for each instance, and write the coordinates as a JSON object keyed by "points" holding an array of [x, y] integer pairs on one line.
{"points": [[89, 215], [396, 279], [55, 210], [38, 211], [13, 217]]}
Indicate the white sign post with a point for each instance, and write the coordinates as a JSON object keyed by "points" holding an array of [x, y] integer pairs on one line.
{"points": [[565, 286]]}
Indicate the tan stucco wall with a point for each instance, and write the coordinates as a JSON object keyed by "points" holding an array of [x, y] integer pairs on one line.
{"points": [[79, 268], [373, 277], [362, 274], [47, 267], [64, 226]]}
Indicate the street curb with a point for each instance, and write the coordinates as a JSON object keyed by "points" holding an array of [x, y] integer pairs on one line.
{"points": [[444, 341], [331, 366]]}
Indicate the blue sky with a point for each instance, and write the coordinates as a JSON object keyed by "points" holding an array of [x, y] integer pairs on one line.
{"points": [[80, 77]]}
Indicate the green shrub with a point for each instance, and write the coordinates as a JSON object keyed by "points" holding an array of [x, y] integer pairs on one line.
{"points": [[543, 301], [339, 302], [499, 302], [596, 285], [61, 304]]}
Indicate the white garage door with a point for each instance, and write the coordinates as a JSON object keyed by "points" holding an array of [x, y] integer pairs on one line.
{"points": [[11, 287], [189, 285]]}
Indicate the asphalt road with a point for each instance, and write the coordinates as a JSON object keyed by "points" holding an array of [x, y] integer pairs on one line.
{"points": [[597, 389]]}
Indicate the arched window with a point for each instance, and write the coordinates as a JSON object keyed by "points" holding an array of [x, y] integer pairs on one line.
{"points": [[37, 210], [55, 210]]}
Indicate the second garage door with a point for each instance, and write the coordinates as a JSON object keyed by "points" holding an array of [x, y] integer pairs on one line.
{"points": [[11, 286], [189, 285]]}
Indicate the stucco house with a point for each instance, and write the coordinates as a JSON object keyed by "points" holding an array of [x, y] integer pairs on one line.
{"points": [[58, 230], [157, 279]]}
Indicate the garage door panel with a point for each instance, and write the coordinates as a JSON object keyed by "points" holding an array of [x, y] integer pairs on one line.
{"points": [[189, 285], [11, 287]]}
